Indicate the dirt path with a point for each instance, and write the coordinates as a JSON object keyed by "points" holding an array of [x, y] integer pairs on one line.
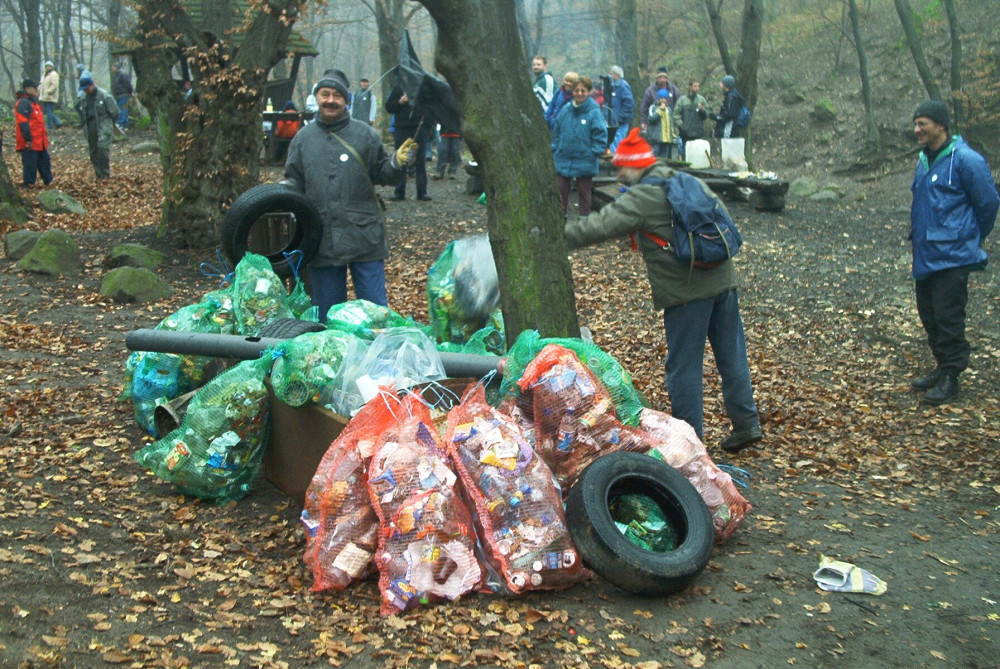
{"points": [[101, 564]]}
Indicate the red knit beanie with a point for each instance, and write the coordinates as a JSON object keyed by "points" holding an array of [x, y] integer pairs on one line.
{"points": [[634, 151]]}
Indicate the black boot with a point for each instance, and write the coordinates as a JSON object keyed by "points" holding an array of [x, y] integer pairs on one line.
{"points": [[945, 390], [927, 382]]}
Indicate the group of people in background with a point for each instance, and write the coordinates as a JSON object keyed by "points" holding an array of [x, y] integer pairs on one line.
{"points": [[588, 121]]}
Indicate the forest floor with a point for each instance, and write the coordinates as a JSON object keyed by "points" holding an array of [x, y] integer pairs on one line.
{"points": [[103, 564]]}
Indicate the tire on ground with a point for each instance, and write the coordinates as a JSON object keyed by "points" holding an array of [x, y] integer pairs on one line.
{"points": [[289, 328], [239, 221], [607, 551]]}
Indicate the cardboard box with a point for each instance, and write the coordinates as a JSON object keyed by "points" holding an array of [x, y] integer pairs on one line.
{"points": [[300, 437]]}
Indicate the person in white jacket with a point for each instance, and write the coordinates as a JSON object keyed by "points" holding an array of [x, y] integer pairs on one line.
{"points": [[48, 95]]}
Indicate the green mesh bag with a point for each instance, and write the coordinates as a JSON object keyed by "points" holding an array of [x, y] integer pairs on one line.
{"points": [[367, 320], [259, 296], [303, 366], [486, 341], [456, 307], [628, 403], [216, 452]]}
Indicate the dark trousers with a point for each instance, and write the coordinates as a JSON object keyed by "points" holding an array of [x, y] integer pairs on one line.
{"points": [[941, 300], [420, 166], [51, 120], [328, 285], [449, 155], [34, 163], [584, 193]]}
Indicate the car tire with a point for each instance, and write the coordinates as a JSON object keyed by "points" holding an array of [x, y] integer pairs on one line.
{"points": [[607, 551], [238, 225], [289, 328]]}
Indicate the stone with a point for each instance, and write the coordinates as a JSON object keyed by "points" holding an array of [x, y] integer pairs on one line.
{"points": [[802, 187], [132, 255], [134, 284], [20, 242], [824, 112], [55, 253], [57, 202], [146, 147], [825, 196], [9, 212], [794, 96]]}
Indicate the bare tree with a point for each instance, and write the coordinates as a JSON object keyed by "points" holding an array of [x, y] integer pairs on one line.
{"points": [[210, 151], [874, 138], [714, 8], [913, 40], [954, 32], [479, 51], [626, 51]]}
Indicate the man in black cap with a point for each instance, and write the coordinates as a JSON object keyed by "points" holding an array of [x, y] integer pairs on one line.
{"points": [[651, 95], [336, 163], [954, 208], [363, 103], [32, 139], [410, 124], [99, 111]]}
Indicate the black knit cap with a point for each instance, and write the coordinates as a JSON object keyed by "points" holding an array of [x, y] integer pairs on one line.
{"points": [[933, 109], [28, 83], [335, 79]]}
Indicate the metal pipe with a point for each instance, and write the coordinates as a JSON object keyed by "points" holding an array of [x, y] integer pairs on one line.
{"points": [[456, 365]]}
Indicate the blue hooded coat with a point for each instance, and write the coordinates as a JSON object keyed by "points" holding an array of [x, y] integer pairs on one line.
{"points": [[579, 138], [954, 208]]}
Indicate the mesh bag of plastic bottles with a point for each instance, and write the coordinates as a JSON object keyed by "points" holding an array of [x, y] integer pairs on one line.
{"points": [[401, 356], [618, 382], [306, 364], [340, 521], [570, 412], [676, 443], [367, 320], [216, 451], [259, 296], [427, 540], [463, 293], [519, 513], [153, 378]]}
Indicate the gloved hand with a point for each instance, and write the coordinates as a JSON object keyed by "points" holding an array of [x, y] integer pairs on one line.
{"points": [[406, 154]]}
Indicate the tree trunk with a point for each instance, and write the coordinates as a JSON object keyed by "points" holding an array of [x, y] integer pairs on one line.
{"points": [[916, 48], [522, 27], [955, 32], [391, 20], [752, 27], [31, 49], [8, 192], [874, 139], [715, 19], [479, 52], [210, 151], [627, 53]]}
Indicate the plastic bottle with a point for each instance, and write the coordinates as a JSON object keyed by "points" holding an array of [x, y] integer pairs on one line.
{"points": [[270, 106]]}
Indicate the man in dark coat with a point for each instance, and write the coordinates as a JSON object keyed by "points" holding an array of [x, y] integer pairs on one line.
{"points": [[410, 125]]}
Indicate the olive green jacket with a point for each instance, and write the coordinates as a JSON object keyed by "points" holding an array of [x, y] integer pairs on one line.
{"points": [[644, 208]]}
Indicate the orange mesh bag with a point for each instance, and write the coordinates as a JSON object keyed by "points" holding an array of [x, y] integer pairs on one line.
{"points": [[519, 514], [676, 443], [427, 541], [340, 522], [571, 412]]}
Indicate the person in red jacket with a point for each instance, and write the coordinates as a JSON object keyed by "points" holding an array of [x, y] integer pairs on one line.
{"points": [[32, 139]]}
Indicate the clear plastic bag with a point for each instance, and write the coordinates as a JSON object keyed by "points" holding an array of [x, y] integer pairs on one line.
{"points": [[216, 451], [676, 443], [463, 294], [570, 412], [427, 539], [518, 508], [340, 522]]}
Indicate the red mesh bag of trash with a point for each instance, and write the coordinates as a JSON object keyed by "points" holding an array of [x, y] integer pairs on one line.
{"points": [[571, 413], [519, 513], [427, 542], [341, 524], [676, 443]]}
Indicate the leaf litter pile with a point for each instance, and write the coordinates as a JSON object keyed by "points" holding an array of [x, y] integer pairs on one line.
{"points": [[104, 565]]}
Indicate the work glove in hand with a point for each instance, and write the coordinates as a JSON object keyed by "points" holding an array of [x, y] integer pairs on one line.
{"points": [[406, 154]]}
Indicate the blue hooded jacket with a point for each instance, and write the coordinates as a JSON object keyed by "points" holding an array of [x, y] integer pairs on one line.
{"points": [[579, 137], [955, 205]]}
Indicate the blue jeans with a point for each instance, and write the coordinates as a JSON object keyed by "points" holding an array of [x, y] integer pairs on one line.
{"points": [[51, 120], [123, 110], [619, 136], [688, 326], [328, 285]]}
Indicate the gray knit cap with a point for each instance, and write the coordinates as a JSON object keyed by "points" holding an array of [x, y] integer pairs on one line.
{"points": [[335, 79], [934, 109], [729, 81]]}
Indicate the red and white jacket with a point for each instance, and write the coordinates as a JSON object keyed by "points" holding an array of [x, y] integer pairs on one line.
{"points": [[29, 123]]}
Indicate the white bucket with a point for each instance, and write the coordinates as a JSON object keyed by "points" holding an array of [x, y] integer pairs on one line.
{"points": [[697, 153], [733, 154]]}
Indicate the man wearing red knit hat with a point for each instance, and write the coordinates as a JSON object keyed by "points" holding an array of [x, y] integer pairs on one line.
{"points": [[698, 304]]}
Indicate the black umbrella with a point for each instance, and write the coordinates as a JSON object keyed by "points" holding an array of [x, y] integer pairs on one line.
{"points": [[432, 98]]}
